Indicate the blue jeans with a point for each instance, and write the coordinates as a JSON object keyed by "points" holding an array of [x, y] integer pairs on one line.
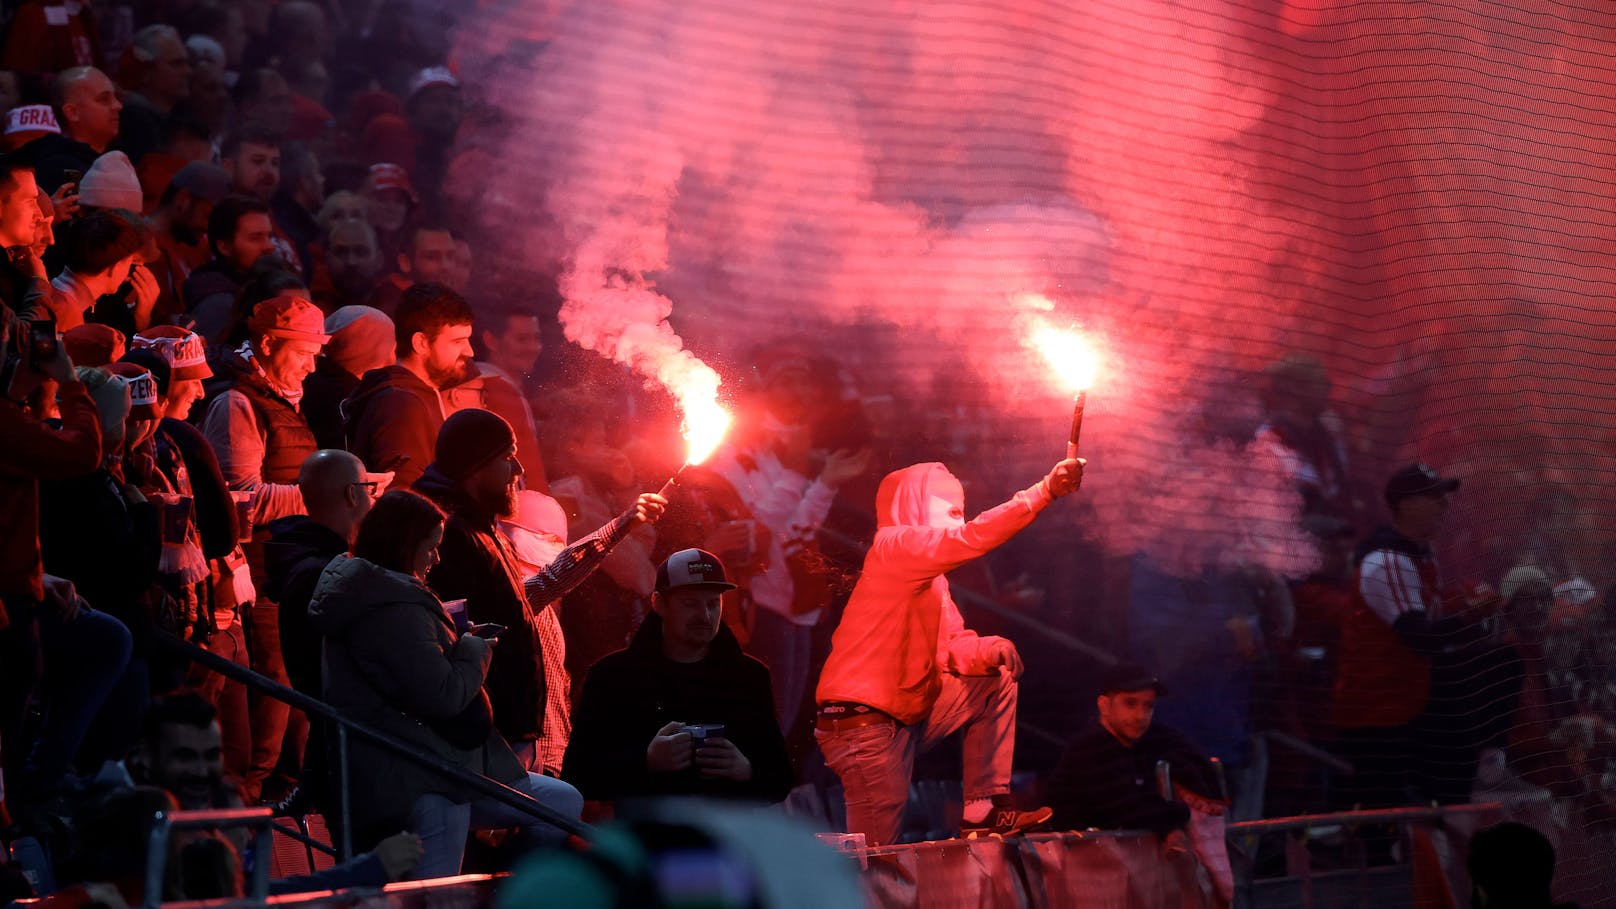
{"points": [[443, 824], [875, 762]]}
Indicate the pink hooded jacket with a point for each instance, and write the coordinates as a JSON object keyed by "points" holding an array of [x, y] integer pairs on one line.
{"points": [[901, 629]]}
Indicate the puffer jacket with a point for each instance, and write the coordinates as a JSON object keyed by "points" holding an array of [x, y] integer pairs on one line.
{"points": [[901, 629], [393, 661]]}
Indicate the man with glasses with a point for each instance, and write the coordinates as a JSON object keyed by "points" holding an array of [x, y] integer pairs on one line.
{"points": [[338, 493]]}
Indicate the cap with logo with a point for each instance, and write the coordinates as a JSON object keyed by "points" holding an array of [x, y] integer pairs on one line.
{"points": [[1130, 677], [28, 122], [692, 568], [1417, 480]]}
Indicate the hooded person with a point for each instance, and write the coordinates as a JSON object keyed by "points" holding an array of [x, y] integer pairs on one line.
{"points": [[361, 340], [904, 672], [682, 711], [475, 477]]}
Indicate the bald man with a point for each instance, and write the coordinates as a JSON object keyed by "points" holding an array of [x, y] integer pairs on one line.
{"points": [[88, 111]]}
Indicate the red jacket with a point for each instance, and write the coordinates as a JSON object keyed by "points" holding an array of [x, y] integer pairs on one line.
{"points": [[34, 451], [901, 629], [1379, 681]]}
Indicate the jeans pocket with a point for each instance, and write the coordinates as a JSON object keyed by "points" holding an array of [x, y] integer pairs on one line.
{"points": [[858, 744]]}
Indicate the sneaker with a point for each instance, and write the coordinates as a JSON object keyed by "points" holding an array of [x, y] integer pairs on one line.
{"points": [[1006, 822]]}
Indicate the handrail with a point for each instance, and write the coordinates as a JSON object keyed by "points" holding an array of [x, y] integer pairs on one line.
{"points": [[261, 819], [1358, 818], [478, 783]]}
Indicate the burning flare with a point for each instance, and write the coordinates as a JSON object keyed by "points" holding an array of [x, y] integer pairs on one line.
{"points": [[1069, 354], [704, 426]]}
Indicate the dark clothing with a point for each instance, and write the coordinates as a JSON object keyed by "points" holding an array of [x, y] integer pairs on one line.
{"points": [[53, 155], [33, 451], [116, 572], [479, 566], [1100, 782], [299, 227], [210, 299], [140, 128], [633, 693], [323, 393], [393, 414], [394, 662], [298, 550], [212, 506]]}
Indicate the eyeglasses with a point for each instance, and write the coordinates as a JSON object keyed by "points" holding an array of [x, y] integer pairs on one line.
{"points": [[370, 487]]}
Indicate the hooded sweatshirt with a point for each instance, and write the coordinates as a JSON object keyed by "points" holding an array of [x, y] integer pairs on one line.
{"points": [[393, 661], [393, 414], [901, 629]]}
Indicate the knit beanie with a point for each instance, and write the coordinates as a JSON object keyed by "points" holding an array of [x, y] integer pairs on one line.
{"points": [[361, 339], [111, 183], [469, 440], [153, 362]]}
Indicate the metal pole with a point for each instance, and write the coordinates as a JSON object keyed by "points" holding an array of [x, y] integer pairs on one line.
{"points": [[156, 860], [263, 857], [345, 815]]}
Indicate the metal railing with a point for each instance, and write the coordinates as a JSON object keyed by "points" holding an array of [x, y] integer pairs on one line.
{"points": [[345, 726], [165, 823]]}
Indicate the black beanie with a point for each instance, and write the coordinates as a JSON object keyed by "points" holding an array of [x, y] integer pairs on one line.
{"points": [[469, 440], [155, 363]]}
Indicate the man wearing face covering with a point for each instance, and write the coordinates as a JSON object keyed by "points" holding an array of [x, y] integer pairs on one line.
{"points": [[904, 672]]}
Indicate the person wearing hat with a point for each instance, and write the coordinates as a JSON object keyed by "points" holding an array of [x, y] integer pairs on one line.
{"points": [[474, 476], [262, 439], [434, 108], [362, 339], [1387, 639], [181, 225], [187, 361], [1106, 777], [26, 123], [904, 672], [645, 722], [391, 420], [93, 344]]}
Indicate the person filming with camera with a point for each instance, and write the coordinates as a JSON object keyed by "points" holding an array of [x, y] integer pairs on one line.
{"points": [[682, 711]]}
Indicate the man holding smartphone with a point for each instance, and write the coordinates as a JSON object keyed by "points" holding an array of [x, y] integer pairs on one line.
{"points": [[682, 711]]}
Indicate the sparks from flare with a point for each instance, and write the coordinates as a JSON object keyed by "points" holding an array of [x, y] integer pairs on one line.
{"points": [[704, 426]]}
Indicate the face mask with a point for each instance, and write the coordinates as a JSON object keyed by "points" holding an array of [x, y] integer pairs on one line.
{"points": [[940, 512]]}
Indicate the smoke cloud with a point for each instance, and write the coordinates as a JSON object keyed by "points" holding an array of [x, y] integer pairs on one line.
{"points": [[1193, 184]]}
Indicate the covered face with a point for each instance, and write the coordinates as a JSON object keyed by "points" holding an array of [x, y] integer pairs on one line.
{"points": [[921, 495]]}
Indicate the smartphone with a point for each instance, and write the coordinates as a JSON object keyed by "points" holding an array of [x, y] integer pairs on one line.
{"points": [[487, 630], [42, 344], [74, 177]]}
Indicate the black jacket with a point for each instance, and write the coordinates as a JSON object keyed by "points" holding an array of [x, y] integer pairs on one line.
{"points": [[323, 393], [92, 535], [393, 415], [299, 548], [1100, 782], [631, 694], [53, 155]]}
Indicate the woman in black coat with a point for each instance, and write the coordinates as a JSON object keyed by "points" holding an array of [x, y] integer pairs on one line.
{"points": [[394, 661]]}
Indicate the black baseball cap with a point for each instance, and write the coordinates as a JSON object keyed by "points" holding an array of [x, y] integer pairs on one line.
{"points": [[1417, 480], [1130, 677], [691, 568]]}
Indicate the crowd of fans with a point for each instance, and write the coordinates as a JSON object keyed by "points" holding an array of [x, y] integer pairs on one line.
{"points": [[262, 396]]}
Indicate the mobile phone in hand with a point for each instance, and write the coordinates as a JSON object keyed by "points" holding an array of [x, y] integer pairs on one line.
{"points": [[487, 630]]}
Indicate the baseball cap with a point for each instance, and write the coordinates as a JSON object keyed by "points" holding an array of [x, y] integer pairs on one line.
{"points": [[392, 176], [432, 75], [184, 350], [202, 179], [288, 316], [691, 568], [1417, 480], [1130, 677]]}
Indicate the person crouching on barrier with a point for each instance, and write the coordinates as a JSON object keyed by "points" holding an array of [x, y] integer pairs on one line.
{"points": [[904, 672]]}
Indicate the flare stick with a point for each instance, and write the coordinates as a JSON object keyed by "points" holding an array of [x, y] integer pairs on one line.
{"points": [[1077, 424]]}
